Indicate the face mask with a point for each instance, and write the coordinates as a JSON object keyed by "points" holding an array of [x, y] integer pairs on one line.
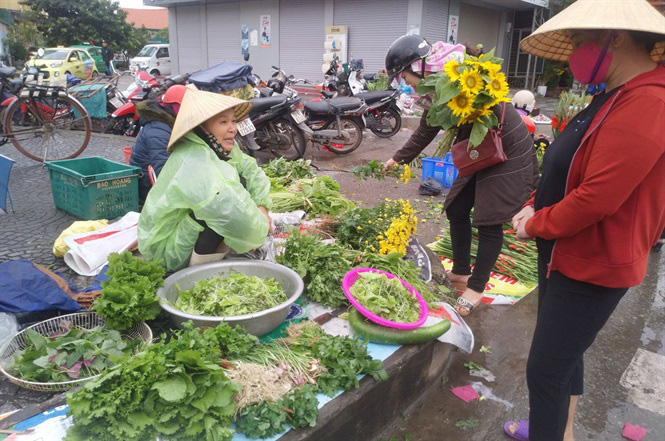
{"points": [[590, 63]]}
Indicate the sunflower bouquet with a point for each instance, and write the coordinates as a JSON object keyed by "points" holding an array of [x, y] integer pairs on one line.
{"points": [[465, 93]]}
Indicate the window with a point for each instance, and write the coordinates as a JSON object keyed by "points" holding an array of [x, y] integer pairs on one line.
{"points": [[163, 52], [54, 54], [147, 51], [84, 56], [73, 56], [94, 52]]}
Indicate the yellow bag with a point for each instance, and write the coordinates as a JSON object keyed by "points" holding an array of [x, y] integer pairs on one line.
{"points": [[78, 227]]}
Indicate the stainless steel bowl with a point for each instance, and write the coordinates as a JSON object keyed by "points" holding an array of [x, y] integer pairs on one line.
{"points": [[259, 323]]}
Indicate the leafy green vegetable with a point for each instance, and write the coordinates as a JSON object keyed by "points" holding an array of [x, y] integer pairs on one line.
{"points": [[284, 172], [322, 267], [70, 353], [128, 296], [233, 294], [486, 349], [345, 358], [173, 390], [377, 170], [302, 407], [317, 196], [361, 228], [385, 297], [394, 263], [470, 365], [261, 420]]}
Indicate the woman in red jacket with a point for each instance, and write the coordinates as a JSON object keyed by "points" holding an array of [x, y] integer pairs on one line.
{"points": [[600, 204]]}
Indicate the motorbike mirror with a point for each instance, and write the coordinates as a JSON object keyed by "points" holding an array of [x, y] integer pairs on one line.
{"points": [[246, 56], [40, 52]]}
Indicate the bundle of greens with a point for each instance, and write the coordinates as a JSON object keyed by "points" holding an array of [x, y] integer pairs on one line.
{"points": [[128, 296], [395, 263], [288, 171], [385, 297], [322, 267], [517, 259], [377, 170], [264, 419], [175, 391], [70, 353], [317, 196], [234, 294]]}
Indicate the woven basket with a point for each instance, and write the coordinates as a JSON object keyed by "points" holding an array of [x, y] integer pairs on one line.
{"points": [[86, 320]]}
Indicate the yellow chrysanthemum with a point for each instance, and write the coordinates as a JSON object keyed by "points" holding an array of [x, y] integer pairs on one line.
{"points": [[450, 69], [497, 87], [461, 105], [471, 82]]}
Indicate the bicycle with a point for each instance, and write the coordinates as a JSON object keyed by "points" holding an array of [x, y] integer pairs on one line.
{"points": [[43, 122]]}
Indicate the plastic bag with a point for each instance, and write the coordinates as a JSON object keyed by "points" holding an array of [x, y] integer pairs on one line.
{"points": [[8, 328], [431, 187], [78, 227]]}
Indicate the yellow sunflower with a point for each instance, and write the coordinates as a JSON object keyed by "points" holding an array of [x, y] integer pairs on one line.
{"points": [[471, 81], [497, 87], [450, 69], [461, 105]]}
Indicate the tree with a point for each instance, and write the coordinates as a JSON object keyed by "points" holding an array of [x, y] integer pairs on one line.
{"points": [[76, 21], [163, 34], [21, 35]]}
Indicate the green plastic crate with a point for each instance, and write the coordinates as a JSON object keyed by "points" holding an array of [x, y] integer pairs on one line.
{"points": [[94, 188]]}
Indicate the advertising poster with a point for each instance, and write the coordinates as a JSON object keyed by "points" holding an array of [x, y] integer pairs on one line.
{"points": [[453, 25], [264, 30]]}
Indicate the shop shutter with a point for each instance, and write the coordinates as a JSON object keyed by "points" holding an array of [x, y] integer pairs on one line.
{"points": [[372, 28], [191, 53], [301, 38], [223, 27], [435, 20]]}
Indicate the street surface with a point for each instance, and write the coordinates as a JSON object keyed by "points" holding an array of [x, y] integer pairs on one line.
{"points": [[633, 340]]}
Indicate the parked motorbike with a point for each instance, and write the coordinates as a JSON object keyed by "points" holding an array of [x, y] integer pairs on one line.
{"points": [[279, 124], [337, 123]]}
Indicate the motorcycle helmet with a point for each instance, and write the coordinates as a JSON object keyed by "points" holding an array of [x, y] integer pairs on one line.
{"points": [[174, 96], [524, 100], [276, 85], [403, 52]]}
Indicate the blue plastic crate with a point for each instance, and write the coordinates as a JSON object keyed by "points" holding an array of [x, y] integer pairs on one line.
{"points": [[441, 169]]}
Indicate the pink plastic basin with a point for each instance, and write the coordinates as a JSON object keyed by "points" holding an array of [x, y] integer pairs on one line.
{"points": [[353, 275]]}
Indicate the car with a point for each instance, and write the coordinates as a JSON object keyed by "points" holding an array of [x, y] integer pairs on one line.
{"points": [[96, 54], [59, 61], [154, 59]]}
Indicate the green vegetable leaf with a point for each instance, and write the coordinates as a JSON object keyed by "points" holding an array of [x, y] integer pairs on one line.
{"points": [[173, 388], [478, 133]]}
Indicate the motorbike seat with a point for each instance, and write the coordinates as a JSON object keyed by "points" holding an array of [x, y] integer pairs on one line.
{"points": [[369, 77], [335, 104], [263, 104], [328, 94], [6, 72], [372, 97]]}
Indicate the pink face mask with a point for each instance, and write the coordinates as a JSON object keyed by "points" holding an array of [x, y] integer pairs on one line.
{"points": [[590, 63]]}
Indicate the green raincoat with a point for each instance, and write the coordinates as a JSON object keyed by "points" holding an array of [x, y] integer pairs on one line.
{"points": [[195, 180]]}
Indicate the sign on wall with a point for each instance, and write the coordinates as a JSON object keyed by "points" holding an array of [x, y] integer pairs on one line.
{"points": [[264, 30], [453, 25], [335, 45]]}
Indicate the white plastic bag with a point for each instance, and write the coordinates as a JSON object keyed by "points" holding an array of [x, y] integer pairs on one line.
{"points": [[8, 329]]}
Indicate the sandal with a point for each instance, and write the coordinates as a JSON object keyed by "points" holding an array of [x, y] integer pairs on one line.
{"points": [[521, 433], [467, 304]]}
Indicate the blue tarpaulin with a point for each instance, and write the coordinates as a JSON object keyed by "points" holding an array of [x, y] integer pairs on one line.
{"points": [[23, 288], [223, 77]]}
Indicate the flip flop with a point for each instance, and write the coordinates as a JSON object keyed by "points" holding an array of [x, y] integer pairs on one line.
{"points": [[521, 433], [467, 304]]}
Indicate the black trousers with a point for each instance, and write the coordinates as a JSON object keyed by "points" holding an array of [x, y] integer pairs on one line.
{"points": [[208, 240], [490, 240], [570, 314]]}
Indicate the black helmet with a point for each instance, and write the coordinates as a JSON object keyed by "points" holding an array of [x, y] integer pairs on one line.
{"points": [[405, 51]]}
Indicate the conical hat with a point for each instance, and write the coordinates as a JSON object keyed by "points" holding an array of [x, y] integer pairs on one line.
{"points": [[551, 40], [199, 106]]}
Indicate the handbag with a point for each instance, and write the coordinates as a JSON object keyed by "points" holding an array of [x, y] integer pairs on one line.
{"points": [[488, 153]]}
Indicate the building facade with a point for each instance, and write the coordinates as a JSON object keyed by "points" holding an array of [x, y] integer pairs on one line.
{"points": [[291, 33]]}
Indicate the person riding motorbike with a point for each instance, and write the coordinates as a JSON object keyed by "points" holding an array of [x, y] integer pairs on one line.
{"points": [[157, 119]]}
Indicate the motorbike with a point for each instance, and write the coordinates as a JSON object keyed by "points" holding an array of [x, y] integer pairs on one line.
{"points": [[384, 111], [125, 120]]}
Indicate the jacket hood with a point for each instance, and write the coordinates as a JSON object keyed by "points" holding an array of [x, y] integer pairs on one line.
{"points": [[152, 111], [656, 77]]}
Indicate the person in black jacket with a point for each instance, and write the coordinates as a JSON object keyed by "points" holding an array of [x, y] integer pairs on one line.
{"points": [[157, 119], [107, 56]]}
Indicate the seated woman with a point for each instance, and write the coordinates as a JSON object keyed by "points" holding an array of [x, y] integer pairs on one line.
{"points": [[210, 197]]}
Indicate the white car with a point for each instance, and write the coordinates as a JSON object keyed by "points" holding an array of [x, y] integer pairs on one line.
{"points": [[154, 59]]}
